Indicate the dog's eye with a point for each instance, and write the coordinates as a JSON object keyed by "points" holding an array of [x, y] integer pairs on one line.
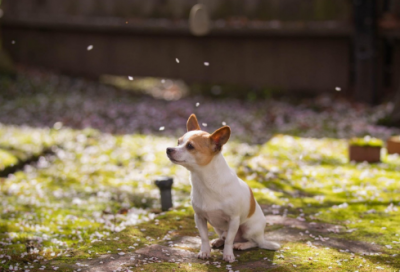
{"points": [[189, 146]]}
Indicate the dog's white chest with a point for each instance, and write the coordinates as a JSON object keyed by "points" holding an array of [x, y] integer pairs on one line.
{"points": [[217, 218], [215, 193]]}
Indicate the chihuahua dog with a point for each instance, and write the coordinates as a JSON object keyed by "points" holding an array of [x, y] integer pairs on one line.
{"points": [[218, 195]]}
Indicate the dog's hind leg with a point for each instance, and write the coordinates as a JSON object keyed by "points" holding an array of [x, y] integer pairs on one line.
{"points": [[245, 245], [220, 241]]}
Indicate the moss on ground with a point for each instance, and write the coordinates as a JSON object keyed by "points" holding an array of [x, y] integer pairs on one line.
{"points": [[7, 159], [313, 180], [93, 187], [174, 267], [366, 141], [95, 195]]}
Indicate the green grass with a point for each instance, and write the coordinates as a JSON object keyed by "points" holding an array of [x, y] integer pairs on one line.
{"points": [[366, 141], [7, 159], [314, 178], [96, 195], [19, 145]]}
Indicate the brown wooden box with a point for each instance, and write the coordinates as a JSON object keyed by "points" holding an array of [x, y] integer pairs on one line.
{"points": [[393, 146], [364, 153]]}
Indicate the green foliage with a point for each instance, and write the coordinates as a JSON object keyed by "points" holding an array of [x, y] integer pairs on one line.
{"points": [[6, 159], [366, 141]]}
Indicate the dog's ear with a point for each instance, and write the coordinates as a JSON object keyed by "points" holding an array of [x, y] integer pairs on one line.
{"points": [[220, 137], [192, 123]]}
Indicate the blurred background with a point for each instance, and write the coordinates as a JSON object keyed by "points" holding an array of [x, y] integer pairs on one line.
{"points": [[269, 46], [248, 50]]}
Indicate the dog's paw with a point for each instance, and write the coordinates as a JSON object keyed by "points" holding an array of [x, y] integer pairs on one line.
{"points": [[230, 258], [240, 246], [217, 242], [203, 255]]}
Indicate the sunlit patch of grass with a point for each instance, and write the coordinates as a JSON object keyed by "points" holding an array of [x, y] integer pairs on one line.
{"points": [[27, 141], [94, 185], [174, 267], [315, 181], [167, 226], [75, 203], [7, 159], [96, 192], [300, 257]]}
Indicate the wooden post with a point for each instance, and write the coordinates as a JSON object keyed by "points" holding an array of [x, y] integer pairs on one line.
{"points": [[365, 51]]}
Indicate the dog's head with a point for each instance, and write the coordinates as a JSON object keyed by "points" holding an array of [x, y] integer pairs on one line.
{"points": [[197, 147]]}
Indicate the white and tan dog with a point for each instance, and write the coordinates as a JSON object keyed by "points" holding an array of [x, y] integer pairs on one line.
{"points": [[218, 195]]}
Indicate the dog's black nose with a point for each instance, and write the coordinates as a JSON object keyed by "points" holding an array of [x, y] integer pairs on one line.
{"points": [[170, 150]]}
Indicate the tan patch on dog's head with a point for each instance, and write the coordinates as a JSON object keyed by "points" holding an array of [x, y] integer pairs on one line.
{"points": [[201, 147], [252, 204]]}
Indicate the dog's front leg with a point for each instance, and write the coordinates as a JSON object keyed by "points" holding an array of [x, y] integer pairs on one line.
{"points": [[201, 224], [230, 237]]}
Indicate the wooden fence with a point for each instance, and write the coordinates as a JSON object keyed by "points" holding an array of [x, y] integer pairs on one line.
{"points": [[289, 46]]}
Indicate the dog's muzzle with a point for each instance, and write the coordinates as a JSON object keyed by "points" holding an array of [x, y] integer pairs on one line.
{"points": [[170, 151], [170, 154]]}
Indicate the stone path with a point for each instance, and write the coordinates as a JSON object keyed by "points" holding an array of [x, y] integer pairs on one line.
{"points": [[141, 257], [184, 249], [298, 224]]}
